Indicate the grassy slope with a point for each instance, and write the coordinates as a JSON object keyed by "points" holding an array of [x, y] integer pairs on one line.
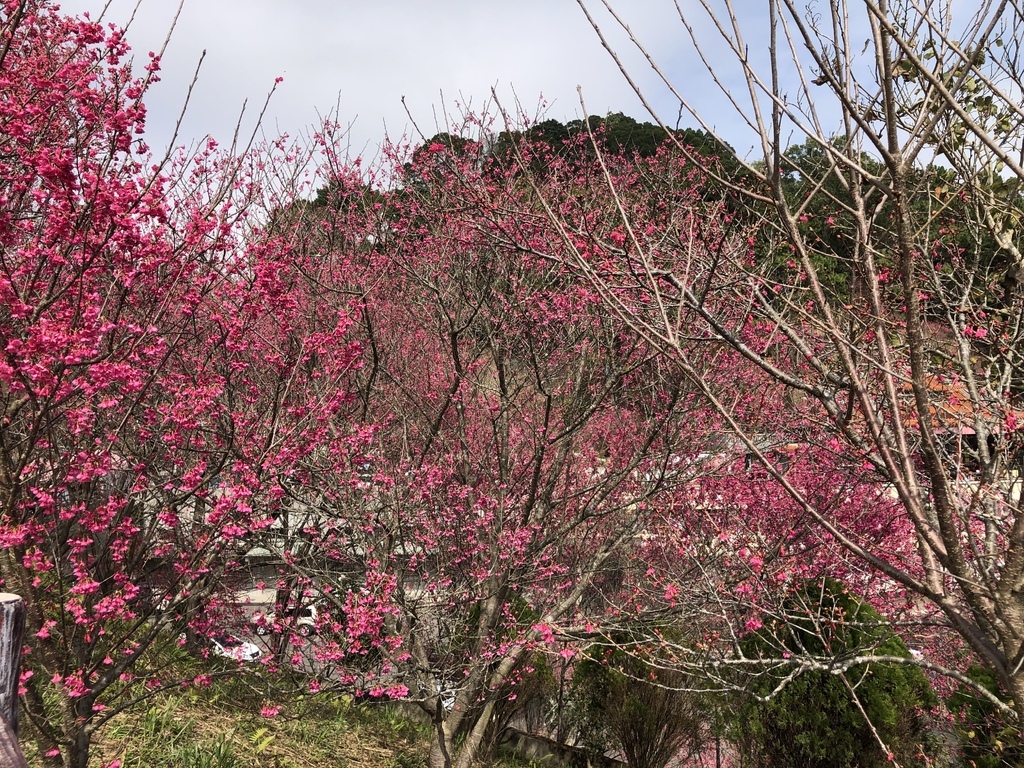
{"points": [[223, 726], [215, 729]]}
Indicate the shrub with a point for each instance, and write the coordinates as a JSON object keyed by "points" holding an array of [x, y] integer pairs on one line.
{"points": [[815, 719], [624, 699]]}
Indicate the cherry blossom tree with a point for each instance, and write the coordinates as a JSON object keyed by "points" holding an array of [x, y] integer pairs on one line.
{"points": [[161, 373], [520, 440], [871, 276]]}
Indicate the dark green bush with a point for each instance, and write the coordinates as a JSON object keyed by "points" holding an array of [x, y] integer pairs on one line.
{"points": [[815, 721]]}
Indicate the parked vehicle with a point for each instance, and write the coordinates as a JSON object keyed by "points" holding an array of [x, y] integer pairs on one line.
{"points": [[231, 647], [302, 621]]}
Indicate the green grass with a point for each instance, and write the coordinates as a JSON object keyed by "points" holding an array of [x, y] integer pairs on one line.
{"points": [[222, 727]]}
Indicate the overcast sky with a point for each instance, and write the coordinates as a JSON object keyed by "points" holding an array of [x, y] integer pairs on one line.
{"points": [[364, 56]]}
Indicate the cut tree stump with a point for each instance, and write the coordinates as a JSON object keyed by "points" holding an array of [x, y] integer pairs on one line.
{"points": [[12, 632]]}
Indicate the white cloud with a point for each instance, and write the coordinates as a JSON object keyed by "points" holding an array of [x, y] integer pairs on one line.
{"points": [[365, 56]]}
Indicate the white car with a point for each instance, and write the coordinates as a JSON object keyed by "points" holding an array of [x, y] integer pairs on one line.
{"points": [[231, 647], [304, 622]]}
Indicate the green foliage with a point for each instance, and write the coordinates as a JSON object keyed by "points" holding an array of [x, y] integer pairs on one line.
{"points": [[218, 753], [825, 222], [616, 133], [624, 699], [814, 720], [621, 134], [343, 197], [447, 142], [551, 132], [816, 187], [988, 740]]}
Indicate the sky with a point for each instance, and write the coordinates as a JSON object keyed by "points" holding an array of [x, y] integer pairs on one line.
{"points": [[362, 57]]}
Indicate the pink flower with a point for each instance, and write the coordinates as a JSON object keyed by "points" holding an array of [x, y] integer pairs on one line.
{"points": [[269, 711], [546, 634]]}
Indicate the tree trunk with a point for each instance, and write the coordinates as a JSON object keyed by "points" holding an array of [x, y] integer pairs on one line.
{"points": [[475, 737], [10, 752], [12, 632], [442, 748], [1015, 688]]}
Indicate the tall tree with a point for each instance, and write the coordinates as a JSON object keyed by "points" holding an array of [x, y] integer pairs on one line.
{"points": [[520, 439], [155, 363], [913, 372]]}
